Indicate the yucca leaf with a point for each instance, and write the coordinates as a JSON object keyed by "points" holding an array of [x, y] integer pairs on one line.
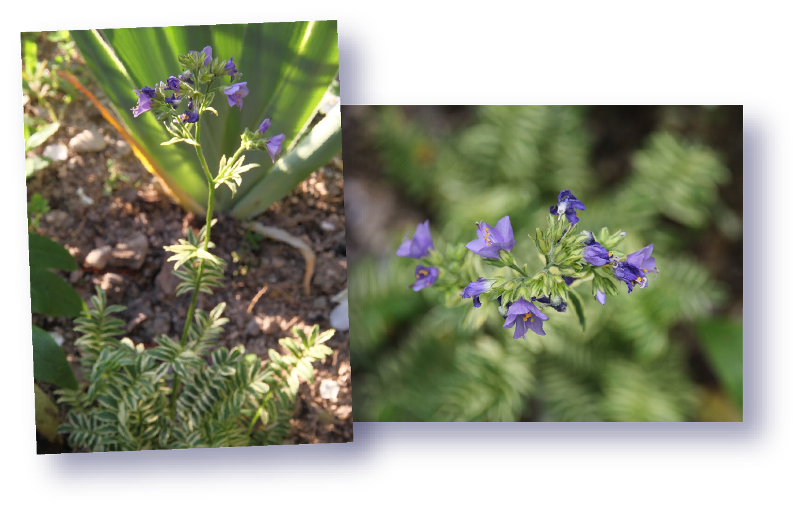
{"points": [[287, 66]]}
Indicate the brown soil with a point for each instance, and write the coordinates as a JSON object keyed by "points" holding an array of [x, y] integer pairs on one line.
{"points": [[136, 205]]}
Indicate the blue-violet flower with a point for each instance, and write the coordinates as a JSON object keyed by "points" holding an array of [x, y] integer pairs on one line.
{"points": [[491, 240], [173, 100], [475, 289], [419, 245], [189, 116], [230, 69], [567, 204], [274, 145], [144, 103], [525, 316], [645, 261], [173, 83], [595, 253], [207, 51], [426, 277], [235, 93], [264, 126]]}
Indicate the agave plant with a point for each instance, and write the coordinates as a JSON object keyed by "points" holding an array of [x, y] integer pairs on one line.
{"points": [[289, 67]]}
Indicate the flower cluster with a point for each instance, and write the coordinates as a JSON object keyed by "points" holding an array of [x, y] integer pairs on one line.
{"points": [[201, 69], [569, 256]]}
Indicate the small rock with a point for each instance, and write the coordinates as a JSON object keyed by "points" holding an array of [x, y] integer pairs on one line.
{"points": [[98, 258], [132, 324], [252, 329], [111, 281], [327, 226], [123, 148], [75, 276], [334, 190], [131, 253], [161, 325], [166, 280], [83, 197], [320, 303], [56, 152], [268, 325], [56, 218], [328, 389], [339, 317], [343, 412], [87, 141]]}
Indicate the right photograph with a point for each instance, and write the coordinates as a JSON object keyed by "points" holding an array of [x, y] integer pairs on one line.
{"points": [[545, 263]]}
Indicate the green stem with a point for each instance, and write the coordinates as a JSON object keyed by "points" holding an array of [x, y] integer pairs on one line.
{"points": [[519, 270], [196, 291]]}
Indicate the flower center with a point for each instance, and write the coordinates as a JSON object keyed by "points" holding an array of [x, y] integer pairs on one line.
{"points": [[487, 237], [562, 207], [527, 316], [422, 273]]}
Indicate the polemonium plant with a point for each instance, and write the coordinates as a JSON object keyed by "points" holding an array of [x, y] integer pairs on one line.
{"points": [[569, 257], [184, 392]]}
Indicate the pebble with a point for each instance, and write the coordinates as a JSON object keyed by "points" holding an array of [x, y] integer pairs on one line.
{"points": [[56, 218], [111, 281], [166, 280], [98, 258], [57, 337], [329, 389], [339, 317], [252, 329], [123, 148], [75, 276], [56, 152], [320, 303], [327, 226], [83, 197], [131, 253], [87, 141], [268, 325]]}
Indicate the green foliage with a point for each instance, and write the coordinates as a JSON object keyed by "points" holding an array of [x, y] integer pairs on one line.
{"points": [[722, 339], [37, 207], [288, 68], [49, 362], [432, 356], [50, 294], [233, 399]]}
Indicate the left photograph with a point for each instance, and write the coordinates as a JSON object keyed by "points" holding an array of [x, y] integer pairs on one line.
{"points": [[186, 237]]}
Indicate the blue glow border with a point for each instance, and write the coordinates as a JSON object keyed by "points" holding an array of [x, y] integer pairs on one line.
{"points": [[381, 447]]}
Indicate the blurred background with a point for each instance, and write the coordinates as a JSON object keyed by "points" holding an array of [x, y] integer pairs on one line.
{"points": [[671, 176]]}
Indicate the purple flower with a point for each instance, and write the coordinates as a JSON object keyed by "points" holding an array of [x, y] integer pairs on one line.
{"points": [[645, 261], [629, 274], [491, 240], [189, 116], [569, 280], [230, 69], [235, 93], [173, 83], [595, 253], [274, 145], [561, 307], [264, 126], [174, 100], [567, 204], [190, 104], [475, 289], [426, 277], [149, 92], [525, 316], [144, 102], [207, 51], [419, 245], [186, 76], [600, 297]]}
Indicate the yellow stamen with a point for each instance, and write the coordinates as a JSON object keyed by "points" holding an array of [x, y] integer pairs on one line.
{"points": [[638, 279], [644, 270], [526, 317]]}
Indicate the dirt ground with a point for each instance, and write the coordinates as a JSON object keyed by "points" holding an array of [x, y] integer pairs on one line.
{"points": [[91, 209]]}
